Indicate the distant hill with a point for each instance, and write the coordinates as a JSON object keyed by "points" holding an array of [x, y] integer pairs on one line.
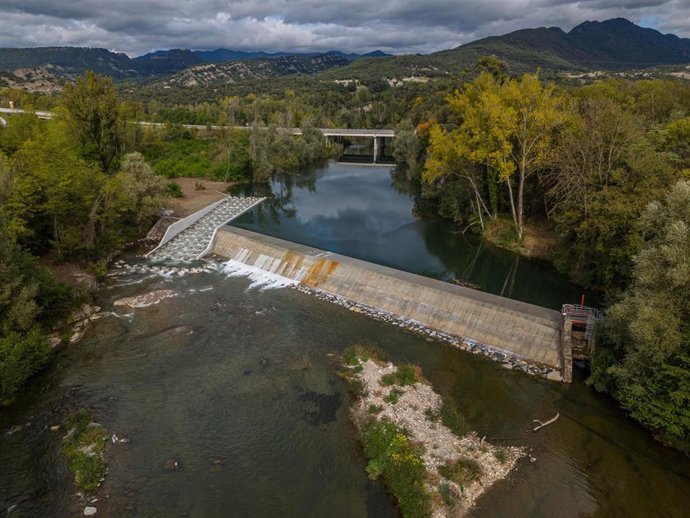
{"points": [[166, 61], [69, 61], [253, 69]]}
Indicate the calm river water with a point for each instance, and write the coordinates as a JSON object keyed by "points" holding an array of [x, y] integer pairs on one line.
{"points": [[240, 386]]}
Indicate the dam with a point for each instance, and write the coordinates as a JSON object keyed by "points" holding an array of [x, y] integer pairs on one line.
{"points": [[521, 332]]}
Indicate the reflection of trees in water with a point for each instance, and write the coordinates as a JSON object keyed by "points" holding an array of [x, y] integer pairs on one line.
{"points": [[279, 196]]}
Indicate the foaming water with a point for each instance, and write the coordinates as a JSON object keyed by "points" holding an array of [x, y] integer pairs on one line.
{"points": [[260, 278]]}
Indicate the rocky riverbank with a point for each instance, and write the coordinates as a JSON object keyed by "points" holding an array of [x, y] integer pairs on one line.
{"points": [[396, 409]]}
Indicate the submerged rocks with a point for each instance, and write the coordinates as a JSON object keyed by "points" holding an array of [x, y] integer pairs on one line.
{"points": [[90, 511], [145, 300], [171, 465]]}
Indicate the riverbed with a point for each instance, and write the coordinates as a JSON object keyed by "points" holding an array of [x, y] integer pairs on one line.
{"points": [[239, 386]]}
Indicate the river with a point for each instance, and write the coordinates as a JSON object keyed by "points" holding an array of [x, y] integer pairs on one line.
{"points": [[240, 386]]}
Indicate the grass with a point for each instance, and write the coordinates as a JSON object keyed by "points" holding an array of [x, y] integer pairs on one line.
{"points": [[357, 353], [453, 419], [388, 379], [404, 375], [502, 233], [501, 456], [375, 409], [432, 415], [393, 396], [446, 496], [463, 472], [392, 456], [83, 447]]}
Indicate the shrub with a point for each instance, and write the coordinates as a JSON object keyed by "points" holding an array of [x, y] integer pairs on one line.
{"points": [[407, 374], [198, 186], [464, 471], [399, 461], [173, 190], [388, 379], [21, 355], [453, 419]]}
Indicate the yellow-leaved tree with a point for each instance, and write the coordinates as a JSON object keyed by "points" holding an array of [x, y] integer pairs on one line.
{"points": [[507, 130]]}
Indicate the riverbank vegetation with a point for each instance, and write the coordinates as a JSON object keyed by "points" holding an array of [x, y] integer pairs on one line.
{"points": [[83, 447], [418, 443]]}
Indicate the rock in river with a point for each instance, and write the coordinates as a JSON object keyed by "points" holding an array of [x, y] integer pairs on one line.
{"points": [[145, 300]]}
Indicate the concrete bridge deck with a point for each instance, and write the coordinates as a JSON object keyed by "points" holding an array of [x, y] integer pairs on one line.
{"points": [[525, 330], [327, 132]]}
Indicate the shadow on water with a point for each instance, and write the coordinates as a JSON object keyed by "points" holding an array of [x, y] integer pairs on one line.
{"points": [[360, 211]]}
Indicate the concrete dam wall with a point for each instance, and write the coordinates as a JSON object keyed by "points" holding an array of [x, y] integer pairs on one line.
{"points": [[525, 330]]}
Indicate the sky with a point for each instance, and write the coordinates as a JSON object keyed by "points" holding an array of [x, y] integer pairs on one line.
{"points": [[396, 26]]}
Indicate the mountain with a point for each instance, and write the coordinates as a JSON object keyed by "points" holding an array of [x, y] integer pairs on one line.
{"points": [[166, 61], [616, 44], [262, 68], [69, 61]]}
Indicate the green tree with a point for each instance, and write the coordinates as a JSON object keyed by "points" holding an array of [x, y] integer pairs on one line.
{"points": [[643, 356], [142, 190], [93, 109]]}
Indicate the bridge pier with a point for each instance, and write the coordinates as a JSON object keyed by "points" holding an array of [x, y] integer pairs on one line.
{"points": [[376, 149]]}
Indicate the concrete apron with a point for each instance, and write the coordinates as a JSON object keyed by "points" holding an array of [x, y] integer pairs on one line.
{"points": [[519, 335]]}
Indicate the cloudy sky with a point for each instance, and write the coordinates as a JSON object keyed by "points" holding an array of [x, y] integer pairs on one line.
{"points": [[396, 26]]}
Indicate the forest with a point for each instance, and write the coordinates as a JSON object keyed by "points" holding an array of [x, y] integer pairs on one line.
{"points": [[598, 171]]}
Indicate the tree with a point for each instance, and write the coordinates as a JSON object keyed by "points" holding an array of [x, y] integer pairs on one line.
{"points": [[143, 190], [537, 115], [643, 356], [53, 192], [93, 108], [507, 128]]}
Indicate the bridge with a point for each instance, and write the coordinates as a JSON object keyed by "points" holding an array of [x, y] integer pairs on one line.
{"points": [[378, 135]]}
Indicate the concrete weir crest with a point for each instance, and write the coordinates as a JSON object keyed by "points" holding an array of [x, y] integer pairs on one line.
{"points": [[528, 336]]}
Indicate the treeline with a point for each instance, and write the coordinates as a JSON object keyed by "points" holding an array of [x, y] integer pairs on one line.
{"points": [[66, 193], [605, 166]]}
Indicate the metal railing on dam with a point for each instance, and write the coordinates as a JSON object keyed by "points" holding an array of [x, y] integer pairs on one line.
{"points": [[528, 333]]}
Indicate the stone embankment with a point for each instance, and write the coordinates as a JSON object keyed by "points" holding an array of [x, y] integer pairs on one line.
{"points": [[519, 335]]}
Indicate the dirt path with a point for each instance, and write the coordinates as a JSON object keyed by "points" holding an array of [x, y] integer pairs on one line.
{"points": [[195, 199]]}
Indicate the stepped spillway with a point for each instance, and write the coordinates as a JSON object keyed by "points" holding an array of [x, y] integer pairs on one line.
{"points": [[193, 240]]}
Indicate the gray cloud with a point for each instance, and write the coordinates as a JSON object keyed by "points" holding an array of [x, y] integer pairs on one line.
{"points": [[398, 26]]}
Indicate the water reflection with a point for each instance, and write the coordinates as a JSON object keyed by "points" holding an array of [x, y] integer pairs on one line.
{"points": [[362, 212]]}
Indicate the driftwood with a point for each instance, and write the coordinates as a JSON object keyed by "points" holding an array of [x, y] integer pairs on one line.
{"points": [[545, 423]]}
